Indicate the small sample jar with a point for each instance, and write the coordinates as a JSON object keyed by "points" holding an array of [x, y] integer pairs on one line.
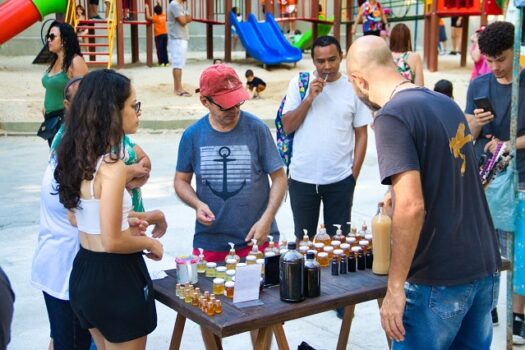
{"points": [[251, 260], [210, 308], [345, 247], [218, 286], [177, 289], [338, 253], [319, 247], [229, 275], [228, 287], [330, 251], [218, 307], [220, 272], [210, 269], [231, 263], [323, 260], [335, 244], [303, 249]]}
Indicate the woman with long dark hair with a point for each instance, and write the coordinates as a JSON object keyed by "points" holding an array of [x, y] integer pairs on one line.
{"points": [[109, 288], [409, 63], [66, 63]]}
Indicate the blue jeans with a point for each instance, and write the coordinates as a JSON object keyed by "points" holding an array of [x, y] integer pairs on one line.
{"points": [[456, 317], [65, 328]]}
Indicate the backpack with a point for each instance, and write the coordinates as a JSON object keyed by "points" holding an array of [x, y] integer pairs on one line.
{"points": [[285, 141]]}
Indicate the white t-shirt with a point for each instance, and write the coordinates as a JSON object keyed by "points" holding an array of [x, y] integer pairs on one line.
{"points": [[323, 146], [58, 242]]}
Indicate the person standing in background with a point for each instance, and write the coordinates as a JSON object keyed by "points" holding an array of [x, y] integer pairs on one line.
{"points": [[456, 27], [178, 37], [7, 300], [161, 33]]}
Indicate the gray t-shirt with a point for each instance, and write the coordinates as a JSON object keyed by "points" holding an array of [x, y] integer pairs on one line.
{"points": [[175, 29], [231, 170]]}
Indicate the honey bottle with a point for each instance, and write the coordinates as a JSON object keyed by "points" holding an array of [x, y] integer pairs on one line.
{"points": [[255, 250], [381, 227], [306, 240], [272, 246], [339, 234], [201, 265], [363, 232], [322, 236], [232, 254]]}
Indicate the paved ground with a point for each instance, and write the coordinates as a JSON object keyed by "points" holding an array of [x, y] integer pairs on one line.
{"points": [[23, 160]]}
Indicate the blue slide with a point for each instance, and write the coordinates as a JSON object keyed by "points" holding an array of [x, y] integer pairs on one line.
{"points": [[264, 40]]}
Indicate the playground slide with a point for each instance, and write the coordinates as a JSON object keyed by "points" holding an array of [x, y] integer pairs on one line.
{"points": [[304, 41], [264, 40], [17, 15]]}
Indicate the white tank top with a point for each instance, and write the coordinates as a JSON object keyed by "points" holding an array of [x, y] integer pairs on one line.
{"points": [[88, 216]]}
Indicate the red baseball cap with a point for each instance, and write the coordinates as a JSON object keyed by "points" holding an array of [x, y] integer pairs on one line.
{"points": [[222, 84]]}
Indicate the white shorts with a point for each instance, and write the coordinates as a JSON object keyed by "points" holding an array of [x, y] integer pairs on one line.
{"points": [[290, 9], [178, 49]]}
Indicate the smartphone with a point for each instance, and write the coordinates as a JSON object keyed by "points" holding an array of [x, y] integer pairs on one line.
{"points": [[484, 103]]}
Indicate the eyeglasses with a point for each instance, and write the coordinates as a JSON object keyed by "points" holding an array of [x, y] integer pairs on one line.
{"points": [[51, 36], [220, 107], [136, 106]]}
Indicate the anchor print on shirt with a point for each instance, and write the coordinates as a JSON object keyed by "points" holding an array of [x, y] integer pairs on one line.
{"points": [[225, 169]]}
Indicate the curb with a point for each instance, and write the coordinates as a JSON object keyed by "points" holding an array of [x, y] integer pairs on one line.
{"points": [[30, 128]]}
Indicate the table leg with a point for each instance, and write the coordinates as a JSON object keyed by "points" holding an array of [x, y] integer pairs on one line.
{"points": [[280, 337], [264, 339], [211, 341], [178, 329], [380, 303], [344, 333]]}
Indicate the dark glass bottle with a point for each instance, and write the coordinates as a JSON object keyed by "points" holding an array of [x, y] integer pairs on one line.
{"points": [[351, 262], [335, 266], [369, 258], [312, 276], [343, 265], [291, 275], [361, 260]]}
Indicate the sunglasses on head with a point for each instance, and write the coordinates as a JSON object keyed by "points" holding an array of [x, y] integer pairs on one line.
{"points": [[220, 107], [51, 36]]}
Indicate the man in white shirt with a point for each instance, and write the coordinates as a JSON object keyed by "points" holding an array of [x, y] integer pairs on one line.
{"points": [[329, 146], [178, 37]]}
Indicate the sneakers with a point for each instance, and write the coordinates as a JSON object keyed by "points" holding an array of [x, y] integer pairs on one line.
{"points": [[518, 331], [495, 319]]}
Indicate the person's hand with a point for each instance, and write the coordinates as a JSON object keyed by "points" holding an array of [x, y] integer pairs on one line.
{"points": [[392, 314], [137, 182], [160, 225], [204, 215], [137, 227], [388, 208], [316, 87], [354, 30], [156, 251], [492, 145], [259, 231], [481, 117]]}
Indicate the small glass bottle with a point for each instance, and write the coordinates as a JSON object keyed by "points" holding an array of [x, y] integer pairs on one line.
{"points": [[195, 299], [260, 262], [329, 250], [352, 241], [343, 264], [335, 266], [251, 260], [345, 247], [218, 307], [338, 253], [361, 263], [312, 276], [322, 236], [363, 244], [228, 287], [177, 289], [369, 237], [210, 308], [255, 250], [188, 296], [201, 265], [363, 232], [339, 234], [319, 247], [303, 249], [229, 275], [231, 263], [218, 286], [306, 240], [335, 244], [210, 269], [182, 291], [232, 253], [352, 259], [369, 258], [220, 272], [272, 246], [322, 259], [207, 295]]}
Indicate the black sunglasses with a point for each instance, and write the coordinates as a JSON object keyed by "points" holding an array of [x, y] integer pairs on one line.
{"points": [[220, 107], [51, 36]]}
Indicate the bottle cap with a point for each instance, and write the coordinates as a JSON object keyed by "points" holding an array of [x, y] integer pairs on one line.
{"points": [[241, 264], [338, 252], [335, 243], [211, 264], [303, 249], [355, 249], [221, 268], [269, 254], [322, 255], [291, 245], [368, 236], [251, 258], [230, 272], [345, 246], [328, 248], [363, 243], [310, 255], [218, 280], [319, 245], [312, 251], [231, 261], [259, 261], [229, 284]]}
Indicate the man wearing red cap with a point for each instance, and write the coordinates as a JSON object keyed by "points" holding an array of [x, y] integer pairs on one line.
{"points": [[232, 154]]}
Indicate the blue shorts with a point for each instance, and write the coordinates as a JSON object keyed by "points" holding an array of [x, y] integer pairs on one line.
{"points": [[451, 317]]}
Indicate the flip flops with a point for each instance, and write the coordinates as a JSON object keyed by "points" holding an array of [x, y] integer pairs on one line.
{"points": [[183, 94]]}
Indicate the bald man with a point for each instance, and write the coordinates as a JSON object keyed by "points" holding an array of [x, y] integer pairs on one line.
{"points": [[443, 279]]}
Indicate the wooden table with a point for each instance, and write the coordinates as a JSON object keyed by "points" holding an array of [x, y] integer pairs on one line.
{"points": [[336, 291]]}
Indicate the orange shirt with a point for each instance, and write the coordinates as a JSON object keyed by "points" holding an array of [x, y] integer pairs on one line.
{"points": [[159, 24]]}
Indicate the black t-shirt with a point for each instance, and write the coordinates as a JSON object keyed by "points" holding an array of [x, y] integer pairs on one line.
{"points": [[255, 82], [500, 96], [426, 131]]}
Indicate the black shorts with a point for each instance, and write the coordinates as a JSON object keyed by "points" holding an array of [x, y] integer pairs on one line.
{"points": [[113, 293], [93, 2], [372, 32]]}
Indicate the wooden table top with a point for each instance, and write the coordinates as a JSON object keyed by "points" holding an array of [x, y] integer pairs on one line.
{"points": [[336, 291]]}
